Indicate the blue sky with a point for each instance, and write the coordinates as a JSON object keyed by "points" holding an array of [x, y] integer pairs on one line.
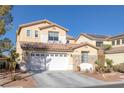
{"points": [[107, 20]]}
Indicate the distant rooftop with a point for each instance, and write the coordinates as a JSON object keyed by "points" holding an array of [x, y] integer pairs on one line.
{"points": [[70, 37], [98, 36]]}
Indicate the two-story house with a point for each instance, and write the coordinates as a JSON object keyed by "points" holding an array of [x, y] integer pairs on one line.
{"points": [[94, 39], [44, 45], [116, 53]]}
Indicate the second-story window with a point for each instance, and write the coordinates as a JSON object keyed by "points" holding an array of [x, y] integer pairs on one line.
{"points": [[99, 44], [28, 33], [36, 33], [113, 42], [118, 42], [53, 36], [122, 41]]}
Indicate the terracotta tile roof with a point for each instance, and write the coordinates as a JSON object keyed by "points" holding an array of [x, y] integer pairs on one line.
{"points": [[115, 50], [53, 47], [45, 46]]}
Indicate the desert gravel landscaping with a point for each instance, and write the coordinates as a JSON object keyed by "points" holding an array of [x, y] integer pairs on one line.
{"points": [[26, 81], [108, 77]]}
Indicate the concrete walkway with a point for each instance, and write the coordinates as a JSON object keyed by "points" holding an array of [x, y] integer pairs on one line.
{"points": [[64, 79]]}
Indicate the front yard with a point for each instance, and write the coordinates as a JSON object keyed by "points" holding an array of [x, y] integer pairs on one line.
{"points": [[25, 80], [108, 77]]}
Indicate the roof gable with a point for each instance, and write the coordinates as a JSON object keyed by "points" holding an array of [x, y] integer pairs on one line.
{"points": [[39, 22], [85, 44], [93, 36], [116, 37]]}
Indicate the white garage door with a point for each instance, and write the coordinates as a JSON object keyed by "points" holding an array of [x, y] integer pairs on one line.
{"points": [[49, 61]]}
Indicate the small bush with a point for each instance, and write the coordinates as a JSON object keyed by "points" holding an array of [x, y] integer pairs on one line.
{"points": [[116, 68], [106, 46], [103, 69], [121, 67], [109, 62], [107, 69], [96, 62]]}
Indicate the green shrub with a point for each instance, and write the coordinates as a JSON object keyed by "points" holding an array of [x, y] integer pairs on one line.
{"points": [[107, 69], [96, 62], [116, 68], [107, 46], [121, 67], [109, 62], [103, 69]]}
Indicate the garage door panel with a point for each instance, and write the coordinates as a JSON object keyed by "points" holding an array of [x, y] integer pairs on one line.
{"points": [[49, 62], [37, 63], [58, 63]]}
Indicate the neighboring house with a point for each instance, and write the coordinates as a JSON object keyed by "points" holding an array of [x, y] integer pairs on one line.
{"points": [[44, 45], [116, 53], [94, 39]]}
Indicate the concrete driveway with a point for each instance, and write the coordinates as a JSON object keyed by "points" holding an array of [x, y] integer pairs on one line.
{"points": [[64, 79]]}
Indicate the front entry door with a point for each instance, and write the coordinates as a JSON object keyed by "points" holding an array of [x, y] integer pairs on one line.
{"points": [[85, 57]]}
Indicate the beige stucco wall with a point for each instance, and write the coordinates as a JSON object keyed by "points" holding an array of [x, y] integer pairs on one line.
{"points": [[23, 36], [18, 48], [32, 28], [83, 39], [107, 42], [72, 41], [42, 35], [117, 58], [91, 52]]}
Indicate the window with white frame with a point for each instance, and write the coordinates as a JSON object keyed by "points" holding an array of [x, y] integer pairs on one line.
{"points": [[118, 42], [36, 33], [113, 42], [32, 54], [28, 33], [37, 54], [122, 41], [61, 55], [99, 44], [53, 36]]}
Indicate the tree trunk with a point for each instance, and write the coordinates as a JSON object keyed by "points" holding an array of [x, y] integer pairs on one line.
{"points": [[101, 58]]}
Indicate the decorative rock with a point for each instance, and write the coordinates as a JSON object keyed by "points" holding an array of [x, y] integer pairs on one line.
{"points": [[23, 67], [86, 67]]}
